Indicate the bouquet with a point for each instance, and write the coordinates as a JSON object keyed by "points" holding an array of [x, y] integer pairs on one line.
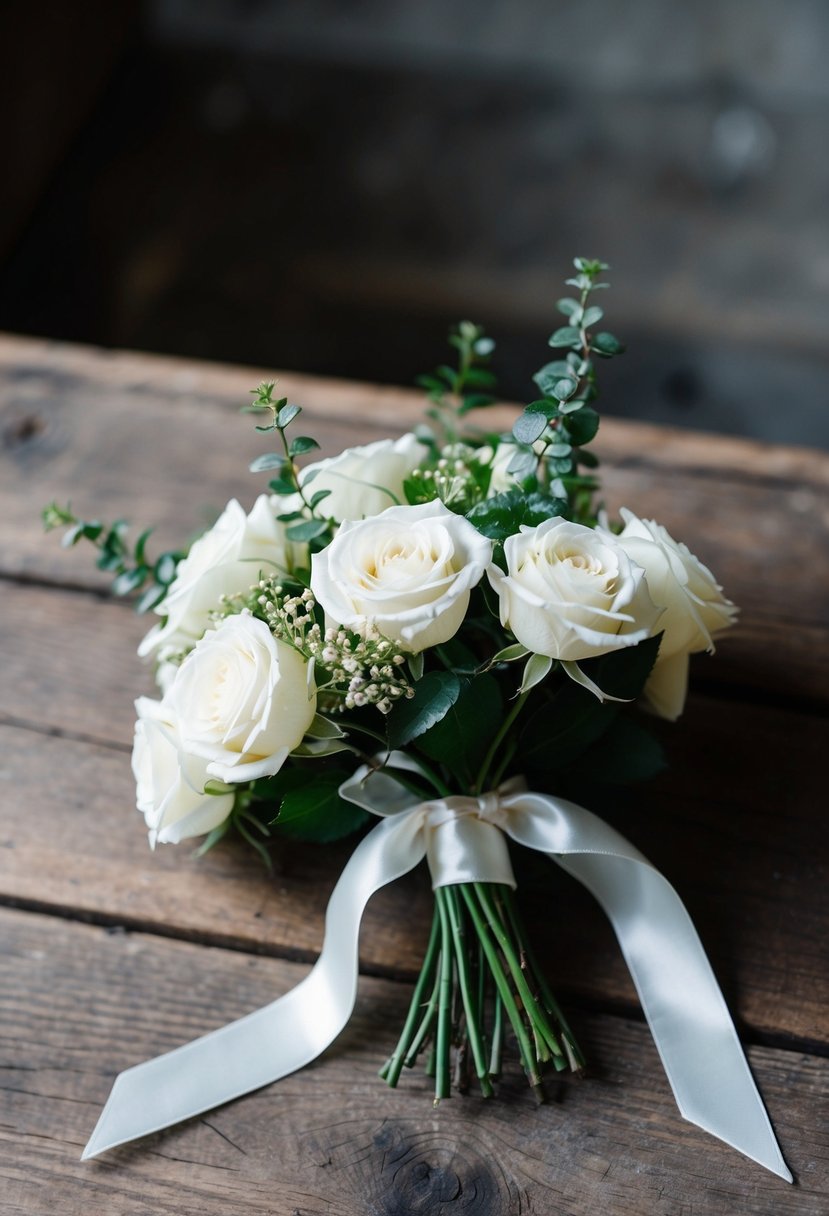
{"points": [[438, 630]]}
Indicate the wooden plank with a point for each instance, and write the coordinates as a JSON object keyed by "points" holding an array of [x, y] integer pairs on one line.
{"points": [[757, 515], [79, 1004], [735, 835]]}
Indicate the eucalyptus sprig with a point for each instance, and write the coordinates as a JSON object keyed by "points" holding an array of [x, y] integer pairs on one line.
{"points": [[562, 420], [306, 523], [131, 568], [454, 391]]}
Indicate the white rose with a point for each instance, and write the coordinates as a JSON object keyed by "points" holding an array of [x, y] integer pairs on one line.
{"points": [[695, 608], [572, 593], [226, 560], [243, 699], [407, 572], [365, 480], [169, 781]]}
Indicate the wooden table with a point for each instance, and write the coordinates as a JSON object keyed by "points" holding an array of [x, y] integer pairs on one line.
{"points": [[113, 954]]}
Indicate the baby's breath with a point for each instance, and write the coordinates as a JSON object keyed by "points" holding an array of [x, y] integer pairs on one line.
{"points": [[362, 669]]}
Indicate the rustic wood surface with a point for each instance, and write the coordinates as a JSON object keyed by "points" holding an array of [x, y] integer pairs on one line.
{"points": [[172, 946]]}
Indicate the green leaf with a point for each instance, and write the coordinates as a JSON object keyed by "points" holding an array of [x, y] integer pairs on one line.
{"points": [[302, 444], [529, 427], [547, 375], [309, 529], [568, 306], [463, 735], [522, 464], [152, 596], [283, 486], [503, 514], [129, 580], [479, 377], [165, 568], [286, 415], [591, 316], [476, 401], [563, 388], [141, 545], [312, 809], [606, 344], [568, 335], [484, 347], [582, 427], [269, 460], [317, 497], [510, 654], [434, 696]]}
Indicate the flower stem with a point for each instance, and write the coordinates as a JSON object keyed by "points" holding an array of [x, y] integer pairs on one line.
{"points": [[498, 740], [449, 896], [392, 1069], [534, 1011], [502, 984], [442, 1043]]}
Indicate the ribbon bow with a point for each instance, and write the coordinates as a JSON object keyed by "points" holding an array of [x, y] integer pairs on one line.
{"points": [[463, 839]]}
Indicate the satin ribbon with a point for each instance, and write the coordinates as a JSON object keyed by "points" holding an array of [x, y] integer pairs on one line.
{"points": [[463, 839]]}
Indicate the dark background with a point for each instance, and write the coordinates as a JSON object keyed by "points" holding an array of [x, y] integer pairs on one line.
{"points": [[328, 186]]}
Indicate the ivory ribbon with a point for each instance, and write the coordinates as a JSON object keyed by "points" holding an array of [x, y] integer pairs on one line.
{"points": [[463, 839]]}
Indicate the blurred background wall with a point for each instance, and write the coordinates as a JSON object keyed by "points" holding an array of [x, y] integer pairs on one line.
{"points": [[328, 186]]}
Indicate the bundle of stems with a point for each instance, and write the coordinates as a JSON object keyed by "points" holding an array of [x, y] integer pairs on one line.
{"points": [[479, 975]]}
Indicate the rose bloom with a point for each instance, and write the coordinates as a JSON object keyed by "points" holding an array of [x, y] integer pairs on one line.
{"points": [[226, 560], [169, 781], [407, 572], [364, 480], [695, 609], [243, 700], [572, 593]]}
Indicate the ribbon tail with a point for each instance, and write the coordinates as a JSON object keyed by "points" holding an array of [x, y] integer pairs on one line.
{"points": [[681, 999], [277, 1039]]}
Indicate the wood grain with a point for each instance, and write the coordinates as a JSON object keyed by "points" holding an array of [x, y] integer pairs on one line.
{"points": [[332, 1139], [157, 440]]}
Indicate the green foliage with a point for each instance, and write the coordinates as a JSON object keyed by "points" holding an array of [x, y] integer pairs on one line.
{"points": [[562, 422], [461, 737], [310, 807], [503, 514], [455, 391], [130, 567], [435, 695], [627, 752]]}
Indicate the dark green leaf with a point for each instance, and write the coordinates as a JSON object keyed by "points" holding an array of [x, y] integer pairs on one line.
{"points": [[317, 497], [503, 514], [434, 696], [141, 545], [622, 673], [463, 735], [606, 344], [312, 809], [582, 427], [282, 486], [476, 401], [302, 444]]}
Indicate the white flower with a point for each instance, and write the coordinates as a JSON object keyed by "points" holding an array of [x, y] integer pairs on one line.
{"points": [[364, 480], [170, 781], [695, 608], [243, 700], [226, 560], [407, 573], [572, 593]]}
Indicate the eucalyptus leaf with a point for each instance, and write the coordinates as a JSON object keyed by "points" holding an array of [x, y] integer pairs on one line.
{"points": [[568, 335], [529, 427], [503, 514], [269, 460]]}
